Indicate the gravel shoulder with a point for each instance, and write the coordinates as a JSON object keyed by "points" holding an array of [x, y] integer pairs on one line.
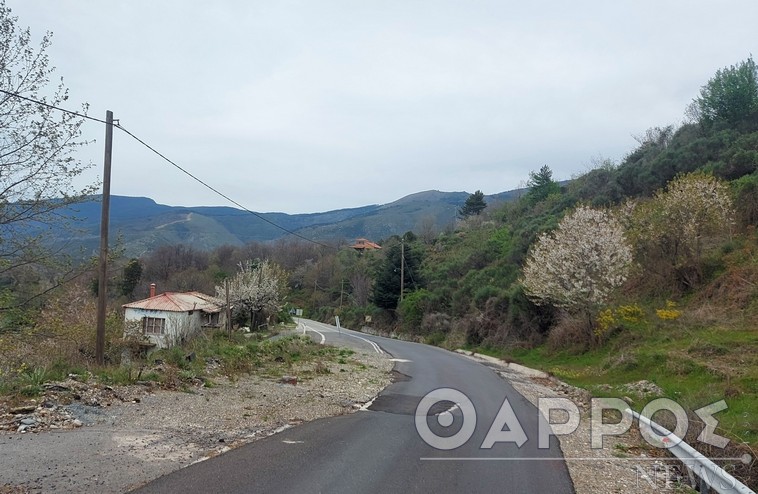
{"points": [[626, 463]]}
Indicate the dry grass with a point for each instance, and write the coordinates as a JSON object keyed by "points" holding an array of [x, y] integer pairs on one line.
{"points": [[570, 334]]}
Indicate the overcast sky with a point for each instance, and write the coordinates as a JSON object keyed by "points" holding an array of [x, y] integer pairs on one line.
{"points": [[306, 106]]}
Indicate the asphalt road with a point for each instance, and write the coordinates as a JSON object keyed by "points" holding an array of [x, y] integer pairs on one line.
{"points": [[381, 450]]}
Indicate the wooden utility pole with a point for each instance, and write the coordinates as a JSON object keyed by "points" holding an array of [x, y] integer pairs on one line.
{"points": [[402, 267], [228, 309], [102, 286]]}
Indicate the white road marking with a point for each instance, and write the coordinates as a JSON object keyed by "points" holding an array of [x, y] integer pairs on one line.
{"points": [[368, 404], [287, 441], [376, 347], [308, 328], [400, 360]]}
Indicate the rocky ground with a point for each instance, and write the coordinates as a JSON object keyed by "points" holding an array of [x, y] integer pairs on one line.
{"points": [[83, 437]]}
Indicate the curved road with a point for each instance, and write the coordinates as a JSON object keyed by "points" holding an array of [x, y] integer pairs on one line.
{"points": [[380, 449]]}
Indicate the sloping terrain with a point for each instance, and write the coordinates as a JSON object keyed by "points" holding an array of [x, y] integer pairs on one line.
{"points": [[139, 224]]}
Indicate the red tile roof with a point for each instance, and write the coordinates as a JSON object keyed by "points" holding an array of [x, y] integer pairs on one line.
{"points": [[178, 302], [363, 244]]}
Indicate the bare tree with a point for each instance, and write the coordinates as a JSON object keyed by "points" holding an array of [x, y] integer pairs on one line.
{"points": [[37, 147]]}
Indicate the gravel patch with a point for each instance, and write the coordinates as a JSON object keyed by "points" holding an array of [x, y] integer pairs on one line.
{"points": [[116, 439]]}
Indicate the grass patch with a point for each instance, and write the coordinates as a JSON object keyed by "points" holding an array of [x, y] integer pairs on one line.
{"points": [[197, 362], [694, 365]]}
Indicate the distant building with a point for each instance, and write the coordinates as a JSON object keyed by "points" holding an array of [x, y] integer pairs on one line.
{"points": [[172, 317], [362, 244]]}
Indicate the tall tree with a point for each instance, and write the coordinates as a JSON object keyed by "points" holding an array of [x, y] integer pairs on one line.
{"points": [[399, 257], [541, 184], [730, 96], [131, 276], [474, 205], [37, 145]]}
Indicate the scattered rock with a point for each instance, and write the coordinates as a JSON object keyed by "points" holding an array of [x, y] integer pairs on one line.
{"points": [[289, 380], [642, 388], [65, 401], [55, 387]]}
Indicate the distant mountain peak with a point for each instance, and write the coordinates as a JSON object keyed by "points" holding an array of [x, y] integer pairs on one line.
{"points": [[144, 224]]}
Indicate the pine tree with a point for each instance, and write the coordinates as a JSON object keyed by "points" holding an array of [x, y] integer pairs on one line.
{"points": [[541, 184], [474, 205]]}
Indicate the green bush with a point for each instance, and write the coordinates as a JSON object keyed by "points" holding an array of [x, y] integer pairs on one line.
{"points": [[412, 309]]}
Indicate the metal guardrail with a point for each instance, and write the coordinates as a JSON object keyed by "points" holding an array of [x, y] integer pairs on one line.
{"points": [[710, 475]]}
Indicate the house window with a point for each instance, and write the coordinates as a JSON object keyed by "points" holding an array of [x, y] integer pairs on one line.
{"points": [[153, 325], [211, 319]]}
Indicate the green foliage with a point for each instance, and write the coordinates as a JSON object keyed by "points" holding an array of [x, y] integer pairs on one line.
{"points": [[413, 307], [731, 96], [399, 258], [474, 205], [695, 364], [463, 265], [131, 276], [745, 193], [541, 184]]}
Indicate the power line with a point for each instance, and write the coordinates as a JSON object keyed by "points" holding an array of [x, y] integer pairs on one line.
{"points": [[53, 107], [210, 187], [204, 184]]}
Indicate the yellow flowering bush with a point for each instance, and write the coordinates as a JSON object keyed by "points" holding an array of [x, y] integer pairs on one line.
{"points": [[670, 313], [630, 313], [610, 318], [605, 322]]}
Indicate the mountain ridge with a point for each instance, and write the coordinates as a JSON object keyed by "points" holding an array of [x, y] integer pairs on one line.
{"points": [[140, 224]]}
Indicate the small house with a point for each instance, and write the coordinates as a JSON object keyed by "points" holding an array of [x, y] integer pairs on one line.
{"points": [[172, 317], [363, 244]]}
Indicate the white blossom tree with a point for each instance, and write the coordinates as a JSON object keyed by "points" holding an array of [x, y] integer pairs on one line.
{"points": [[578, 265], [258, 287], [672, 231]]}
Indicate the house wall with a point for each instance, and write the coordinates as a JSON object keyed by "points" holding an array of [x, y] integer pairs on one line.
{"points": [[178, 324]]}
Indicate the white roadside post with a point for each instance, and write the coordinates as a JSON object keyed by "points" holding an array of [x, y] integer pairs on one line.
{"points": [[299, 314]]}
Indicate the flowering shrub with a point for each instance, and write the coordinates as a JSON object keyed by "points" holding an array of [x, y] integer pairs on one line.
{"points": [[605, 322], [670, 231], [610, 318], [630, 313], [578, 265], [670, 313]]}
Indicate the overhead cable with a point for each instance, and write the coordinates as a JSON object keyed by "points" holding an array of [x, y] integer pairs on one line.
{"points": [[183, 170]]}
